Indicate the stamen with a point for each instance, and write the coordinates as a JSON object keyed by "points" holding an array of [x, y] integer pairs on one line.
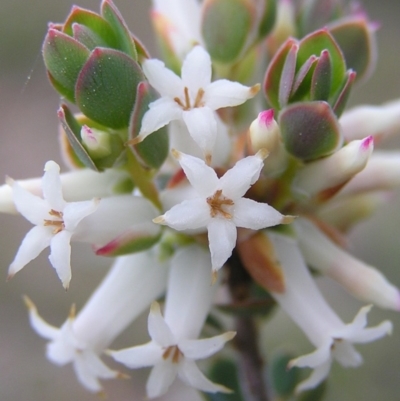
{"points": [[199, 97], [176, 353], [58, 224], [187, 98], [216, 203]]}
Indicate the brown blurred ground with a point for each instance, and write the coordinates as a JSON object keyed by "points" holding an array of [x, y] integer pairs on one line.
{"points": [[28, 129]]}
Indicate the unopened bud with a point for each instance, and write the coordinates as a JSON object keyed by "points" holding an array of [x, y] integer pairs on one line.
{"points": [[96, 142]]}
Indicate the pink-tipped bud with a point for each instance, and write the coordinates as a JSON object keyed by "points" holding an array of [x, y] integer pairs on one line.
{"points": [[96, 142], [327, 176]]}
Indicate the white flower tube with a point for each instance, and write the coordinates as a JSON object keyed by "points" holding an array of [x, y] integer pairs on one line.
{"points": [[377, 121], [78, 185], [362, 281], [131, 285], [174, 347], [304, 303], [324, 177]]}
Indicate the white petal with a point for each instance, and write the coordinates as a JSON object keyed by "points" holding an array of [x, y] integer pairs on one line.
{"points": [[372, 333], [163, 80], [202, 126], [202, 177], [74, 212], [189, 214], [159, 114], [161, 377], [191, 375], [196, 70], [236, 181], [60, 352], [85, 375], [222, 239], [51, 186], [190, 293], [37, 239], [41, 327], [224, 93], [201, 349], [60, 256], [140, 356], [251, 214], [346, 354], [159, 330], [97, 366], [314, 359], [317, 376], [32, 207]]}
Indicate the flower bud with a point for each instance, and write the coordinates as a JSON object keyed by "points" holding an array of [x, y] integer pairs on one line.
{"points": [[96, 142]]}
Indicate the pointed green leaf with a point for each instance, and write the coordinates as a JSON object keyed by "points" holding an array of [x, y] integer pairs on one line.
{"points": [[153, 151], [314, 44], [322, 77], [306, 70], [340, 101], [226, 25], [106, 87], [287, 76], [268, 19], [93, 22], [121, 31], [64, 58], [273, 75], [310, 130], [73, 130], [358, 44], [87, 37]]}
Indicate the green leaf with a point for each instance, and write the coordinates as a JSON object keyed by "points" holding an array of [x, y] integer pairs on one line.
{"points": [[314, 44], [316, 394], [357, 43], [124, 38], [87, 37], [322, 77], [73, 131], [283, 380], [273, 75], [226, 25], [268, 19], [100, 27], [341, 99], [106, 87], [310, 130], [64, 58], [287, 76], [154, 149], [303, 77]]}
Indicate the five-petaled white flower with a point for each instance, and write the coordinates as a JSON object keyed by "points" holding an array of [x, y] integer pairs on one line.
{"points": [[192, 98], [220, 206], [55, 221]]}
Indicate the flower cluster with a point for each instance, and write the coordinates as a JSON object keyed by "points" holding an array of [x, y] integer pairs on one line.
{"points": [[207, 202]]}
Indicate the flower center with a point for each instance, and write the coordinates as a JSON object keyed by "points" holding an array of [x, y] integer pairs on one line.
{"points": [[57, 223], [217, 202], [174, 353], [186, 104]]}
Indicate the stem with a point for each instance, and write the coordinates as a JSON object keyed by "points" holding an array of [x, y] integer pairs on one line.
{"points": [[251, 364]]}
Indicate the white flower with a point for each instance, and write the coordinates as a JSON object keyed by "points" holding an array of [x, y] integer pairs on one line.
{"points": [[55, 222], [173, 348], [192, 98], [132, 284], [304, 303], [220, 206]]}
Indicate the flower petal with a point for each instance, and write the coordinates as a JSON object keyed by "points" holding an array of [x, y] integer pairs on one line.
{"points": [[60, 256], [51, 186], [224, 93], [37, 239], [222, 236], [85, 375], [161, 377], [32, 207], [201, 349], [317, 376], [162, 79], [202, 127], [191, 375], [159, 114], [74, 212], [196, 70], [140, 356], [251, 214], [159, 330], [203, 178], [346, 354], [236, 181], [190, 214]]}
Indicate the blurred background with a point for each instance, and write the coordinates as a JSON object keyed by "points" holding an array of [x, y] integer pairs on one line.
{"points": [[28, 138]]}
